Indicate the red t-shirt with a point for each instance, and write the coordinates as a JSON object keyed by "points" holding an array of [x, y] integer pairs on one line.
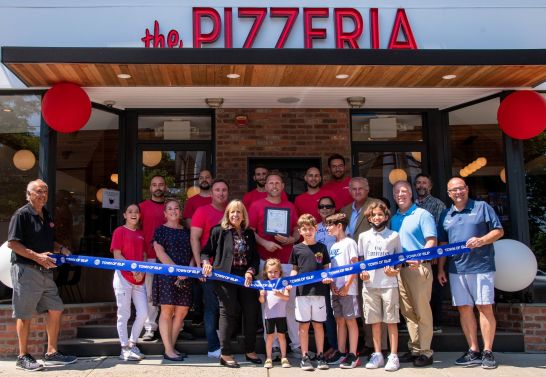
{"points": [[131, 244], [250, 197], [151, 217], [308, 203], [193, 203], [206, 217], [257, 222], [341, 190]]}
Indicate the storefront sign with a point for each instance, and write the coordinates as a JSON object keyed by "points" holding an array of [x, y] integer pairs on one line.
{"points": [[348, 26]]}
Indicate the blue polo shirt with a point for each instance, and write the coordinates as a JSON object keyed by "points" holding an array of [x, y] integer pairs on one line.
{"points": [[476, 220], [414, 227]]}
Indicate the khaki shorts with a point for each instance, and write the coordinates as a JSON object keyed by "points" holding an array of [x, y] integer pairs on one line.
{"points": [[381, 305], [34, 291]]}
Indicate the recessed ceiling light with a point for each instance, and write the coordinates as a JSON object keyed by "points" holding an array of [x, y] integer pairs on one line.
{"points": [[449, 77], [6, 110], [342, 76], [124, 76], [288, 100], [233, 75]]}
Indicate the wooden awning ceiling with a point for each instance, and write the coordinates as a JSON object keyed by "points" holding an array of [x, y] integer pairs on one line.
{"points": [[99, 67]]}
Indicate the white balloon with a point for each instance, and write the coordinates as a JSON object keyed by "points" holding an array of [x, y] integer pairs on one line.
{"points": [[5, 265], [516, 265]]}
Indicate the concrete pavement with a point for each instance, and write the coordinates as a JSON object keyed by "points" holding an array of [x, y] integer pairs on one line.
{"points": [[511, 365]]}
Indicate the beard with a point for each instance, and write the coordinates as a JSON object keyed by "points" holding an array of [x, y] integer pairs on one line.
{"points": [[313, 186], [260, 184], [204, 186], [422, 192], [158, 194]]}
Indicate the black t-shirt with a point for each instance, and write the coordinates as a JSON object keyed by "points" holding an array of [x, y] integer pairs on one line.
{"points": [[29, 229], [309, 258]]}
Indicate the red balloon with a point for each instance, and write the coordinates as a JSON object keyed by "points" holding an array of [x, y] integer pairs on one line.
{"points": [[522, 114], [66, 107]]}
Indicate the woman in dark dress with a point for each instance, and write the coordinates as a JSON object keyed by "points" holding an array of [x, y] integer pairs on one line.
{"points": [[173, 294], [233, 246]]}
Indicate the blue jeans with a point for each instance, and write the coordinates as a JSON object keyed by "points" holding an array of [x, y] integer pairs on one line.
{"points": [[210, 315]]}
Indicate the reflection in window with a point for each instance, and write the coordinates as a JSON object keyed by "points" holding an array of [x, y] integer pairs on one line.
{"points": [[477, 151], [19, 147], [180, 169], [535, 170], [384, 127], [173, 128], [383, 169]]}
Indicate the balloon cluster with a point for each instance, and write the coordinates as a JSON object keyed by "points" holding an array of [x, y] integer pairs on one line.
{"points": [[471, 168]]}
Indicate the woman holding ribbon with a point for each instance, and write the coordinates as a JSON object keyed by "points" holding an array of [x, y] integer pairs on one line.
{"points": [[232, 246], [172, 246]]}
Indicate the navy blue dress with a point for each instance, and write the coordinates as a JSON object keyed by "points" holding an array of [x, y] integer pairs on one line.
{"points": [[176, 243]]}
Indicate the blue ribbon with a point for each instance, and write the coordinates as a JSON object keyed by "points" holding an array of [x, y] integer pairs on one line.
{"points": [[297, 280]]}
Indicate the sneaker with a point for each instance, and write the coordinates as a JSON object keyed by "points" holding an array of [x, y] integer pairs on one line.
{"points": [[58, 358], [285, 363], [127, 354], [305, 363], [437, 330], [337, 358], [28, 363], [423, 361], [149, 336], [321, 362], [137, 351], [350, 362], [488, 360], [407, 357], [268, 364], [393, 364], [376, 361], [469, 358], [215, 354]]}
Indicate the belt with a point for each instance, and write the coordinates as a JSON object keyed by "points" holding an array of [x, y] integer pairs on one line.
{"points": [[405, 264]]}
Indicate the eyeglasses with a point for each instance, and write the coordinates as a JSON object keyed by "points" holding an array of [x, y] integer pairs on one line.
{"points": [[457, 189], [326, 206]]}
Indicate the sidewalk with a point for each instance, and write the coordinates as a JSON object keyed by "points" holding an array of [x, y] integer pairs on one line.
{"points": [[511, 364]]}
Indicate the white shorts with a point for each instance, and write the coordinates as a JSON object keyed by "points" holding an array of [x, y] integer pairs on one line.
{"points": [[472, 289], [310, 308]]}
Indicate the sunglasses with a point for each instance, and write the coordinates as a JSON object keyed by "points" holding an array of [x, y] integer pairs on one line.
{"points": [[326, 206]]}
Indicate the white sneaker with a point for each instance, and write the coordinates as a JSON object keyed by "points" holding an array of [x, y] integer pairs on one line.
{"points": [[136, 351], [215, 354], [127, 354], [376, 361], [393, 364]]}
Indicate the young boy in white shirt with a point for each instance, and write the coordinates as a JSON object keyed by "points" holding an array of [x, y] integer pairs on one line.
{"points": [[380, 288], [344, 289]]}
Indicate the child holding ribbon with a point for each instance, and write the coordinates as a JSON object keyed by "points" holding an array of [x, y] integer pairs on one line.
{"points": [[128, 243], [274, 313], [380, 289]]}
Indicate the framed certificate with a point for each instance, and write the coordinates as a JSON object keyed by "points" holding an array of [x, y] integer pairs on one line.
{"points": [[277, 221]]}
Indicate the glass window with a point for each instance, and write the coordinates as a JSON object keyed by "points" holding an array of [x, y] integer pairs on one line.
{"points": [[87, 165], [19, 147], [535, 170], [180, 169], [477, 151], [385, 127], [174, 128], [383, 169]]}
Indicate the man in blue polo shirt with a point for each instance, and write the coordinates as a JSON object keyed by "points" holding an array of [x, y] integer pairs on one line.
{"points": [[472, 275], [417, 230]]}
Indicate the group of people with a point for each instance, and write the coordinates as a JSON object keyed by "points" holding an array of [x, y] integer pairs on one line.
{"points": [[329, 225]]}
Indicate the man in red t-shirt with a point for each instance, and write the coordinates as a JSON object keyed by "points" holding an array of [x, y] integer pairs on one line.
{"points": [[277, 246], [308, 201], [259, 192], [339, 183], [151, 217], [201, 199], [203, 220]]}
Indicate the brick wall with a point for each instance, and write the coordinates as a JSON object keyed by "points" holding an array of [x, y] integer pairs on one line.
{"points": [[534, 327], [277, 133], [75, 315]]}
